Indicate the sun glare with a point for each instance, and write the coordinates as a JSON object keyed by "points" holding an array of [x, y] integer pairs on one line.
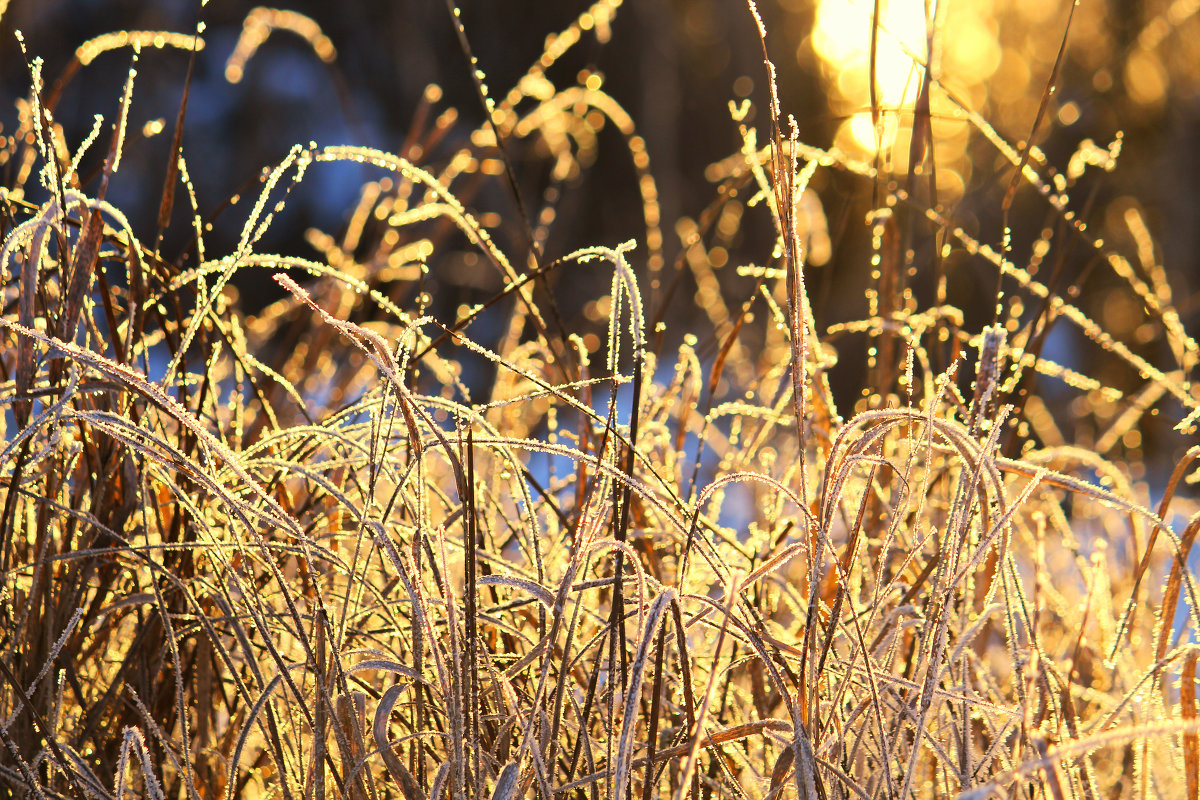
{"points": [[966, 48]]}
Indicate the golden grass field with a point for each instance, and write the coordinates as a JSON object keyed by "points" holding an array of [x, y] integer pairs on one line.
{"points": [[349, 545]]}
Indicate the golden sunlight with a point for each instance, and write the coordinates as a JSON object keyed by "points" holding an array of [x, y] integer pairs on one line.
{"points": [[966, 54]]}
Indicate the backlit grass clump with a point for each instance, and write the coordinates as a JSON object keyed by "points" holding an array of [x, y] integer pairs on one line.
{"points": [[351, 547]]}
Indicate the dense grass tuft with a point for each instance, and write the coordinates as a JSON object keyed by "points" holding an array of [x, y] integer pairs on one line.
{"points": [[352, 546]]}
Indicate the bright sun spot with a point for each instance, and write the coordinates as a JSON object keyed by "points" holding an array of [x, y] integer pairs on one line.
{"points": [[966, 53]]}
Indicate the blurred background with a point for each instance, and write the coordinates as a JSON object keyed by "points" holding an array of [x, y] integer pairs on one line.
{"points": [[1128, 81]]}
